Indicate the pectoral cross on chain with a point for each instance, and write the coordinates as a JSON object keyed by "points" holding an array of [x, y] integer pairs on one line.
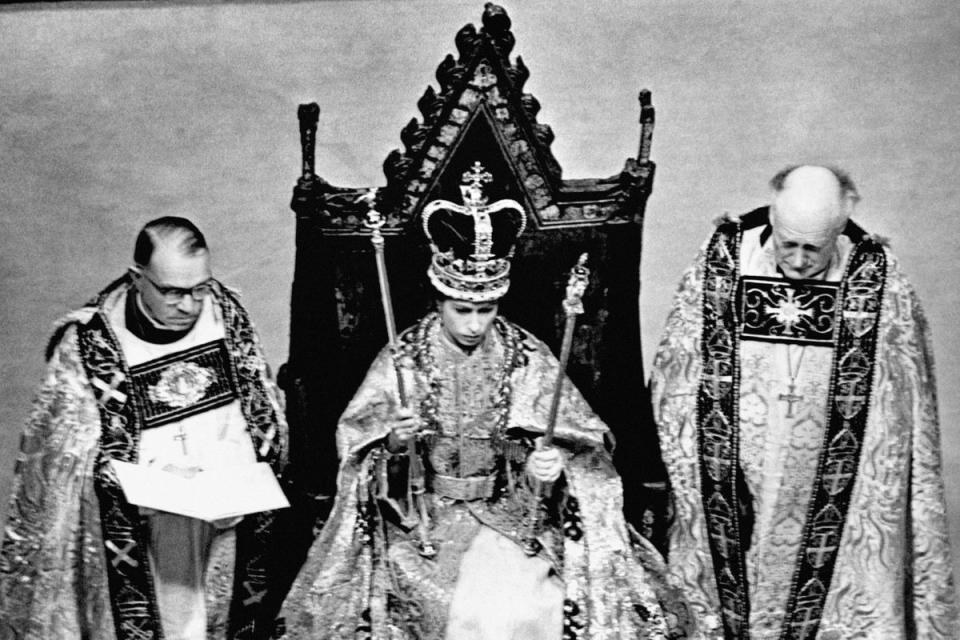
{"points": [[182, 437], [790, 398]]}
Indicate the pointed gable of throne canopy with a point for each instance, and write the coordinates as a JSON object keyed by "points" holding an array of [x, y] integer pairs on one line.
{"points": [[478, 113], [481, 113]]}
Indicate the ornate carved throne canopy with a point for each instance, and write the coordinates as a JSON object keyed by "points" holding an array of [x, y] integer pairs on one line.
{"points": [[482, 114]]}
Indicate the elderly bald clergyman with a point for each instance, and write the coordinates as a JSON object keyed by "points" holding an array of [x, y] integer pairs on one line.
{"points": [[795, 400]]}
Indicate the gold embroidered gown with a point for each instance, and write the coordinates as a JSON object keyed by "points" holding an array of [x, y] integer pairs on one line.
{"points": [[364, 577]]}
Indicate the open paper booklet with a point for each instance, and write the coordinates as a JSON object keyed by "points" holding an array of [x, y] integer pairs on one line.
{"points": [[208, 495]]}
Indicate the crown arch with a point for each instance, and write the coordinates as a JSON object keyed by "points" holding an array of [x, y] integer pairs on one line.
{"points": [[478, 113]]}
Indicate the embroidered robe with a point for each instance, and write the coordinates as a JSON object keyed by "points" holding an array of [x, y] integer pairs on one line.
{"points": [[364, 578], [833, 526], [75, 560]]}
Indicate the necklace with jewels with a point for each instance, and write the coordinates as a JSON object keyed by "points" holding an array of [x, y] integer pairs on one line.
{"points": [[418, 344], [791, 397]]}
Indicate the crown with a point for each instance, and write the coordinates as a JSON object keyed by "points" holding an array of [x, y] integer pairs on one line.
{"points": [[472, 243]]}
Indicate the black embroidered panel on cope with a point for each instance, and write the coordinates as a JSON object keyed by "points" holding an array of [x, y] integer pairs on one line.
{"points": [[778, 310], [718, 441], [184, 384]]}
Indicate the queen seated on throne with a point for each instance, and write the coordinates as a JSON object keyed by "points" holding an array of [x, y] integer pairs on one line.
{"points": [[451, 519]]}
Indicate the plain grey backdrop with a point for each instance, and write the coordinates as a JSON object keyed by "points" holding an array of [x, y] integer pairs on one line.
{"points": [[115, 113]]}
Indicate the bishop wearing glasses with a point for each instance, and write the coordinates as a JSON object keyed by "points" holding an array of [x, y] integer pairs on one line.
{"points": [[162, 370]]}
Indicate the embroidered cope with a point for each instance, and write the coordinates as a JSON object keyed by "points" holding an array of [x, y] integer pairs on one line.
{"points": [[838, 448], [77, 559]]}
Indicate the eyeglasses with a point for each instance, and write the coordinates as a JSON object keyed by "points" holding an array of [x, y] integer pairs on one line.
{"points": [[173, 295]]}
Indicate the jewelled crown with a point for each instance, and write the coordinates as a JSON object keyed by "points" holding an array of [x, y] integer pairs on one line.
{"points": [[472, 243]]}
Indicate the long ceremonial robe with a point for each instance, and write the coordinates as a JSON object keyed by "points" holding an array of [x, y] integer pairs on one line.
{"points": [[363, 577], [891, 566], [74, 561]]}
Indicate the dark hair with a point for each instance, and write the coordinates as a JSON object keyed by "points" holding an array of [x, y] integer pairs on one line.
{"points": [[847, 188], [189, 238], [439, 298]]}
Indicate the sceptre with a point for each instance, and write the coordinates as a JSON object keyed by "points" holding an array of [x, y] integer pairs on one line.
{"points": [[572, 307], [416, 486]]}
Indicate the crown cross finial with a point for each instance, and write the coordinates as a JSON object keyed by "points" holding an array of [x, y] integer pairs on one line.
{"points": [[473, 181], [477, 175]]}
